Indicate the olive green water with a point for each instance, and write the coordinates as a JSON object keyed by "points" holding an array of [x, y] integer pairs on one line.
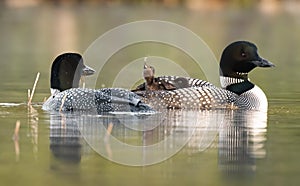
{"points": [[30, 39]]}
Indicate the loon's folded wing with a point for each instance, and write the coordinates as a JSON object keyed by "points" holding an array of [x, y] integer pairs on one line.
{"points": [[116, 99], [184, 82]]}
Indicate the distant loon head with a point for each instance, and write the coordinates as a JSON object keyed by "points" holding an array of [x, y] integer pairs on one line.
{"points": [[67, 70]]}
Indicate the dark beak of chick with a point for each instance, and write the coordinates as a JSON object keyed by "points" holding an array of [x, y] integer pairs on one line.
{"points": [[87, 71]]}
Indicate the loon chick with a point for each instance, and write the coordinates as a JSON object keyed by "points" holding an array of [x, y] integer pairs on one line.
{"points": [[237, 60], [66, 72], [153, 83]]}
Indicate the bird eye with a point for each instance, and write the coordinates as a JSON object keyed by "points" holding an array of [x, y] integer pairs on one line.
{"points": [[243, 53]]}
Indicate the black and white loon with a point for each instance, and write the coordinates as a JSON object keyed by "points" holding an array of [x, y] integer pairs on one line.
{"points": [[236, 92], [66, 72]]}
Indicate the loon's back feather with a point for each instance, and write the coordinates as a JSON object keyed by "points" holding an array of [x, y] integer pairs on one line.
{"points": [[102, 100], [204, 98], [191, 82]]}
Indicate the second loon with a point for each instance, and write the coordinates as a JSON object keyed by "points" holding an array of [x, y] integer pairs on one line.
{"points": [[66, 72], [236, 92]]}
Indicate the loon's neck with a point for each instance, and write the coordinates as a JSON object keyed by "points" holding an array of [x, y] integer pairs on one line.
{"points": [[236, 85], [226, 81]]}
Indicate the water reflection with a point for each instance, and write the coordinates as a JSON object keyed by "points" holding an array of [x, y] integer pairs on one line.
{"points": [[65, 138], [167, 133], [241, 141], [143, 139], [33, 132], [131, 139]]}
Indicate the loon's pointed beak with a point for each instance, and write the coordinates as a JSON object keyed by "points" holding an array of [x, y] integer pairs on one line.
{"points": [[261, 62], [87, 71]]}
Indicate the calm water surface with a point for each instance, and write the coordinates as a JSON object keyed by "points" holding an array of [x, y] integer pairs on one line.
{"points": [[223, 147]]}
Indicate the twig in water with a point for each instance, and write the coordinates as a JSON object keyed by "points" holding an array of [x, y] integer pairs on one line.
{"points": [[83, 81], [16, 132], [62, 102], [108, 131], [109, 128], [28, 95], [33, 89], [16, 139]]}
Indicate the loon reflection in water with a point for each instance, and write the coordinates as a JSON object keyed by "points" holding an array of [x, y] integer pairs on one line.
{"points": [[241, 135], [242, 141]]}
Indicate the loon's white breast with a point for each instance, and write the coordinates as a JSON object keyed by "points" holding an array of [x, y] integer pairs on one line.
{"points": [[254, 99]]}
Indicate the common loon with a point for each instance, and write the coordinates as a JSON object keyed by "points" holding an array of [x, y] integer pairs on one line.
{"points": [[66, 72], [236, 91]]}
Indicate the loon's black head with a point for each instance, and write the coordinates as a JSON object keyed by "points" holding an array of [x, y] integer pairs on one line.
{"points": [[67, 70], [239, 58]]}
